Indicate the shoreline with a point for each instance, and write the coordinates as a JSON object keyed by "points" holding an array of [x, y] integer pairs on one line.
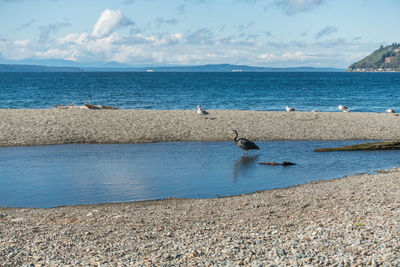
{"points": [[20, 127]]}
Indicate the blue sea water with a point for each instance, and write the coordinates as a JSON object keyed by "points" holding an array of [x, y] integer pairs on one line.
{"points": [[323, 91]]}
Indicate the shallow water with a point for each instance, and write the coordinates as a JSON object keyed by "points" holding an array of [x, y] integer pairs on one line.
{"points": [[48, 176]]}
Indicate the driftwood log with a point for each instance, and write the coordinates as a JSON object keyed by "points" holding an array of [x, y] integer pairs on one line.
{"points": [[70, 107], [90, 106], [85, 106], [385, 145], [285, 163]]}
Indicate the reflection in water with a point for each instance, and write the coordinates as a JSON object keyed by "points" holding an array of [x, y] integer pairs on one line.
{"points": [[243, 166]]}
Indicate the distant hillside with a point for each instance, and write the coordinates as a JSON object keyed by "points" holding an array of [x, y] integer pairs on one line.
{"points": [[200, 68], [36, 68], [215, 68], [383, 59]]}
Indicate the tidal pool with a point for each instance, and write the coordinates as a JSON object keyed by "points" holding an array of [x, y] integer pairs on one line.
{"points": [[49, 176]]}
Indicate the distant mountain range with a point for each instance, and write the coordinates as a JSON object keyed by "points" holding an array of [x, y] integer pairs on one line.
{"points": [[383, 59], [36, 68], [215, 68], [201, 68]]}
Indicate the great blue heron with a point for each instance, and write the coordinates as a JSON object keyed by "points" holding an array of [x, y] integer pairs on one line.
{"points": [[288, 109], [201, 111], [390, 110], [244, 143]]}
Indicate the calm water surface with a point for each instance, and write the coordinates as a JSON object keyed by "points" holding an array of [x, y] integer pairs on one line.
{"points": [[48, 176]]}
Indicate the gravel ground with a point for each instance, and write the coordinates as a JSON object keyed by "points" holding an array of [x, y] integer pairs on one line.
{"points": [[352, 221], [54, 126]]}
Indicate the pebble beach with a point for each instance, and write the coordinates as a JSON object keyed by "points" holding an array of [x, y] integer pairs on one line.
{"points": [[58, 126], [348, 221]]}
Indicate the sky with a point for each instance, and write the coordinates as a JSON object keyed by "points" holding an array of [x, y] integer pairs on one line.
{"points": [[265, 33]]}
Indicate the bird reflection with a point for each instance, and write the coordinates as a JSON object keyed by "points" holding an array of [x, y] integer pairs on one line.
{"points": [[243, 166]]}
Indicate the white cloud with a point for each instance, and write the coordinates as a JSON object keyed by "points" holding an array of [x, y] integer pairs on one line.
{"points": [[46, 30], [328, 30], [22, 42], [292, 7], [16, 50], [286, 56], [74, 38], [201, 36], [159, 22], [267, 57], [128, 54], [54, 53], [109, 21], [298, 55], [153, 40], [168, 39], [26, 25]]}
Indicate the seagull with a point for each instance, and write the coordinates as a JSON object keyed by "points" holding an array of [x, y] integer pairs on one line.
{"points": [[343, 108], [201, 111], [390, 110], [288, 109]]}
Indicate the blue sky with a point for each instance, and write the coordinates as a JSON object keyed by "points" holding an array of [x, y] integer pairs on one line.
{"points": [[270, 33]]}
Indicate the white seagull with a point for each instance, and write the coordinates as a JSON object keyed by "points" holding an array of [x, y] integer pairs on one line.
{"points": [[390, 110], [343, 108], [201, 111], [288, 109]]}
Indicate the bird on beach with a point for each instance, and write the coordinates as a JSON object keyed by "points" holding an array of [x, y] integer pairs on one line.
{"points": [[343, 108], [244, 143], [390, 110], [201, 111], [288, 109]]}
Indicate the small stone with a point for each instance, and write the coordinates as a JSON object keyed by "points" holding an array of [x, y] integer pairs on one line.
{"points": [[282, 252], [17, 220]]}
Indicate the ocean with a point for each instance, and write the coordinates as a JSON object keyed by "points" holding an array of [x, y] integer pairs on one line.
{"points": [[270, 91]]}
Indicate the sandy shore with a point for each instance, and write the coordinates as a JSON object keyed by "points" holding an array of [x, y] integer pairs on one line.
{"points": [[352, 221], [341, 222], [52, 126]]}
